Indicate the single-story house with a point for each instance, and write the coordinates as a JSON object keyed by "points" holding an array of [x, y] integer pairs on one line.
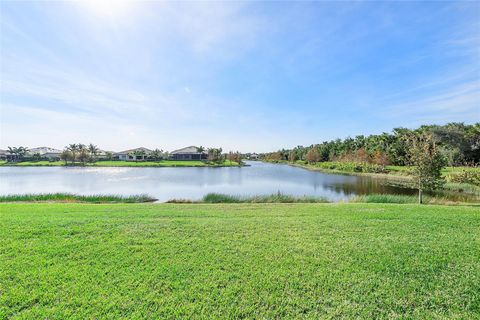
{"points": [[3, 154], [137, 154], [45, 152], [188, 153]]}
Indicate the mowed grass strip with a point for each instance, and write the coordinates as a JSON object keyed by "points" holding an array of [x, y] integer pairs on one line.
{"points": [[118, 163], [82, 261]]}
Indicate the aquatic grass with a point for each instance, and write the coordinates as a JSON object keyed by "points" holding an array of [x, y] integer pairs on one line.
{"points": [[67, 197], [389, 198], [462, 187], [273, 198], [441, 198]]}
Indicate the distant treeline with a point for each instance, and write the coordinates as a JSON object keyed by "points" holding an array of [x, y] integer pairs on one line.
{"points": [[459, 144]]}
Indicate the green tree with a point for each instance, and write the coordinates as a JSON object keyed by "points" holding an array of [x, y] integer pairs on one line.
{"points": [[18, 153], [139, 154], [292, 156], [215, 154], [36, 156], [73, 148], [157, 155], [93, 150], [66, 155], [313, 155], [83, 154], [428, 162]]}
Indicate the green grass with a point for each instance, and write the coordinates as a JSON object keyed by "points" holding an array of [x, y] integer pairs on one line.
{"points": [[67, 197], [163, 163], [34, 164], [150, 261]]}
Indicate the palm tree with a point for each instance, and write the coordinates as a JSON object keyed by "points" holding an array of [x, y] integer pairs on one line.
{"points": [[83, 155], [18, 152], [139, 153], [14, 152], [200, 150], [93, 151], [73, 148]]}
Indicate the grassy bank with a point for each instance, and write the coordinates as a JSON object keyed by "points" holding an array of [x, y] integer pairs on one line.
{"points": [[371, 198], [395, 174], [66, 197], [83, 261], [163, 163]]}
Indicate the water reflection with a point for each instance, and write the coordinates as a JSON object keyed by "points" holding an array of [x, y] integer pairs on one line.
{"points": [[190, 183]]}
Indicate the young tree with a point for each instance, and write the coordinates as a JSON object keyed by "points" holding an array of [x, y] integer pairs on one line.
{"points": [[238, 158], [313, 155], [361, 155], [380, 158], [215, 154], [428, 162], [157, 155], [292, 156], [66, 155], [83, 155], [37, 156], [235, 157]]}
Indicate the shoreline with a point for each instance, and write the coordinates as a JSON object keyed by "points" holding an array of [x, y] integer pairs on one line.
{"points": [[396, 179], [125, 164]]}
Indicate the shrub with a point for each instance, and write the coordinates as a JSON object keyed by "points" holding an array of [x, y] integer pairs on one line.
{"points": [[465, 176], [353, 167]]}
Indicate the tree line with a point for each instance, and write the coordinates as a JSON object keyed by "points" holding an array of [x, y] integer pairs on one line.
{"points": [[80, 153], [457, 143]]}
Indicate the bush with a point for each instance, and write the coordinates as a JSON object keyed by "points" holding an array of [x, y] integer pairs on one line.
{"points": [[353, 167], [465, 176]]}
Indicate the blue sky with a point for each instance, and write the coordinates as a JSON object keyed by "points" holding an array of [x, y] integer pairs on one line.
{"points": [[248, 76]]}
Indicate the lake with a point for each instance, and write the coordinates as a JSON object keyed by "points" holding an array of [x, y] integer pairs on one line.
{"points": [[190, 183]]}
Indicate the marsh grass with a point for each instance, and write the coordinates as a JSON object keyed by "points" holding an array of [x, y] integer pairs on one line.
{"points": [[389, 198], [441, 198], [67, 197], [273, 198]]}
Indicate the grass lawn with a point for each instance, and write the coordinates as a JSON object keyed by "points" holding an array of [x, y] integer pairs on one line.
{"points": [[163, 163], [86, 261]]}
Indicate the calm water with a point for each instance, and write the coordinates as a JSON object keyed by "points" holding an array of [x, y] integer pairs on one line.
{"points": [[188, 183]]}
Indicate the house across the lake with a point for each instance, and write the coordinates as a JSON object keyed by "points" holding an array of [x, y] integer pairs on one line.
{"points": [[45, 152], [188, 153], [137, 154]]}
